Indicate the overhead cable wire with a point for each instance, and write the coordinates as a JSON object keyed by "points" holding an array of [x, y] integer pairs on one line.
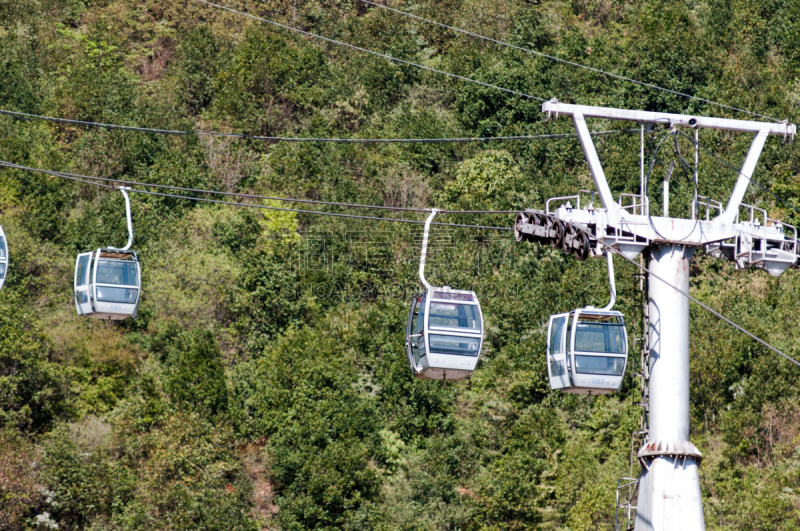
{"points": [[707, 308], [418, 222], [365, 50], [83, 179], [24, 115], [565, 61], [737, 170], [318, 212], [65, 176], [249, 196]]}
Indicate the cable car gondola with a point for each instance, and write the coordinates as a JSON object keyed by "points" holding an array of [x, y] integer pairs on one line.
{"points": [[3, 257], [444, 333], [587, 348], [108, 281]]}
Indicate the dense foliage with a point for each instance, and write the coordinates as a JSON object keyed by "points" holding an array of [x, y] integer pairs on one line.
{"points": [[264, 383]]}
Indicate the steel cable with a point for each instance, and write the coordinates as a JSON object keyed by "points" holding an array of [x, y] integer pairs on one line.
{"points": [[365, 50], [707, 308], [250, 196], [375, 218], [83, 179], [23, 115], [565, 61]]}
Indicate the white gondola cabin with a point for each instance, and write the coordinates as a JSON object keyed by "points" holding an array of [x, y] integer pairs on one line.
{"points": [[108, 281], [444, 332], [107, 284], [3, 257], [587, 349]]}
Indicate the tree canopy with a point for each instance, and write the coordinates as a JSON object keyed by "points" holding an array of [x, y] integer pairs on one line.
{"points": [[264, 383]]}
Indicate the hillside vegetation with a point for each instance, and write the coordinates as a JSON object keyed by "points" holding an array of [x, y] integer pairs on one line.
{"points": [[264, 384]]}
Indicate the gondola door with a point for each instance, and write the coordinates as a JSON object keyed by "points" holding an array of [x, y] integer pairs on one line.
{"points": [[83, 302], [557, 351], [414, 334]]}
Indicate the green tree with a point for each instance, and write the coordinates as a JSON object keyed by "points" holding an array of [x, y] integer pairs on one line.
{"points": [[194, 375], [33, 391]]}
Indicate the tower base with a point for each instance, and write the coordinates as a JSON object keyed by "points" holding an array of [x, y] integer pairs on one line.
{"points": [[669, 495]]}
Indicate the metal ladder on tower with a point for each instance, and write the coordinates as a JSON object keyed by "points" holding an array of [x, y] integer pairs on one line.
{"points": [[627, 487]]}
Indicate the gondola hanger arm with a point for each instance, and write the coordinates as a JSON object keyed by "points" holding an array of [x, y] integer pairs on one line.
{"points": [[124, 189], [612, 284], [424, 252]]}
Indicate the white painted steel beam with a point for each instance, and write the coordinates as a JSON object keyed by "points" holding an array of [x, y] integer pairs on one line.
{"points": [[660, 229], [669, 343], [746, 173], [703, 122], [593, 160]]}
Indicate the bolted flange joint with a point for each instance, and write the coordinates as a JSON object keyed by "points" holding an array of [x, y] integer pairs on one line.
{"points": [[670, 449]]}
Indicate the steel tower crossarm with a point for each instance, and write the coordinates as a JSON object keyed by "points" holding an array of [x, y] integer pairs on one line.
{"points": [[630, 228], [579, 114], [554, 108]]}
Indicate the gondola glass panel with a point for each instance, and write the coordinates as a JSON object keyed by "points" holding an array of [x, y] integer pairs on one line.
{"points": [[454, 345], [557, 352], [599, 334], [112, 273], [599, 365], [415, 345], [451, 315], [83, 303], [444, 334], [3, 257], [597, 353]]}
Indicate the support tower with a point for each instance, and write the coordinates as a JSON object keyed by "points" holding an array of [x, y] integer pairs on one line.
{"points": [[669, 497]]}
